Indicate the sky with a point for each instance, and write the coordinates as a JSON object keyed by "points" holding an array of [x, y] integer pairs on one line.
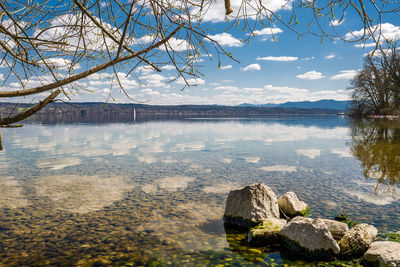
{"points": [[276, 66]]}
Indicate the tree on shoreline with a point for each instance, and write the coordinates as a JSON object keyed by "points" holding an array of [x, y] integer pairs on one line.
{"points": [[49, 46], [376, 87]]}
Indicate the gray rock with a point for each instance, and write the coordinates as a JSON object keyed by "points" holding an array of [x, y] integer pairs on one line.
{"points": [[357, 240], [383, 253], [266, 233], [310, 238], [251, 205], [291, 205], [337, 229]]}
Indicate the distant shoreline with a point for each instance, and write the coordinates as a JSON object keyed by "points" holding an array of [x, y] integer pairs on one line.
{"points": [[100, 112]]}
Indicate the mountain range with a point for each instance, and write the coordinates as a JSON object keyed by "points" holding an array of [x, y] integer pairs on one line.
{"points": [[320, 104]]}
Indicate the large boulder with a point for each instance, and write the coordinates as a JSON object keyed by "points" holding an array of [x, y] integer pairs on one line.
{"points": [[251, 205], [310, 238], [383, 253], [291, 206], [357, 240], [337, 229], [266, 233]]}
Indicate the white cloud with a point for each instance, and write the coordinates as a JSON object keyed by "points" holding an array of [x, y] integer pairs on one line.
{"points": [[281, 58], [330, 56], [168, 67], [267, 31], [344, 75], [150, 92], [226, 67], [308, 58], [60, 30], [145, 69], [225, 39], [251, 67], [363, 45], [227, 88], [176, 44], [311, 75], [386, 30], [191, 82], [337, 22], [153, 80], [60, 63], [145, 39]]}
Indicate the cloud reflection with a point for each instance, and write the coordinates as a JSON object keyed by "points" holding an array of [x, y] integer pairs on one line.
{"points": [[311, 153], [82, 194], [57, 163], [169, 183], [12, 194], [342, 152], [279, 168]]}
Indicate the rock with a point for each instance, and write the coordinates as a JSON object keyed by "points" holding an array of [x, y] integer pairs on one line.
{"points": [[266, 233], [310, 238], [383, 253], [357, 240], [251, 205], [291, 205], [337, 229]]}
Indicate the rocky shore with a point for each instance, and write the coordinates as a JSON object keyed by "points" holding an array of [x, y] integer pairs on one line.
{"points": [[272, 220]]}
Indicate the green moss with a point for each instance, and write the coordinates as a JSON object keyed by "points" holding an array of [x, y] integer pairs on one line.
{"points": [[395, 237], [267, 225], [306, 212], [345, 219]]}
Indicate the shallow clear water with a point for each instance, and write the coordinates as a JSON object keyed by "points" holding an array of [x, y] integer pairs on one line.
{"points": [[154, 193]]}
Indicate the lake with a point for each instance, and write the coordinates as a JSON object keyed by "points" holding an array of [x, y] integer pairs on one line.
{"points": [[153, 193]]}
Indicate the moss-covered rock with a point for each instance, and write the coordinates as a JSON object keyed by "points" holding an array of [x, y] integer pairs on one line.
{"points": [[291, 206], [357, 240], [266, 233]]}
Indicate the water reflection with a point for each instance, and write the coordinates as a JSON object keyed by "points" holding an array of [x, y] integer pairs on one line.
{"points": [[12, 193], [82, 194], [133, 194], [376, 143]]}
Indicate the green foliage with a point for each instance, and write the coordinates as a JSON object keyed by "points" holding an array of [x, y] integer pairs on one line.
{"points": [[345, 219]]}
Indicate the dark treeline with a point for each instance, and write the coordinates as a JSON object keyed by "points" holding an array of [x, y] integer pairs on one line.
{"points": [[100, 112]]}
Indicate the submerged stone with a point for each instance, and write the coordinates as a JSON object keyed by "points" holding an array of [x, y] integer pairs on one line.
{"points": [[357, 240], [310, 238], [266, 233], [251, 205], [383, 253], [291, 206]]}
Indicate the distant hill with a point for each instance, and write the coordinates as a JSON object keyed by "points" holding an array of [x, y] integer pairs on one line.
{"points": [[100, 112], [321, 104]]}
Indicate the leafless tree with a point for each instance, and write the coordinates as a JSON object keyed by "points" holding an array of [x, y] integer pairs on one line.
{"points": [[47, 46], [375, 89]]}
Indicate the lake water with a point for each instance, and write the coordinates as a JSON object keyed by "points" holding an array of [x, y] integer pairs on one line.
{"points": [[154, 193]]}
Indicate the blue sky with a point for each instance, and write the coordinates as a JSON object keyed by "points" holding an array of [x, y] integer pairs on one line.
{"points": [[270, 71]]}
